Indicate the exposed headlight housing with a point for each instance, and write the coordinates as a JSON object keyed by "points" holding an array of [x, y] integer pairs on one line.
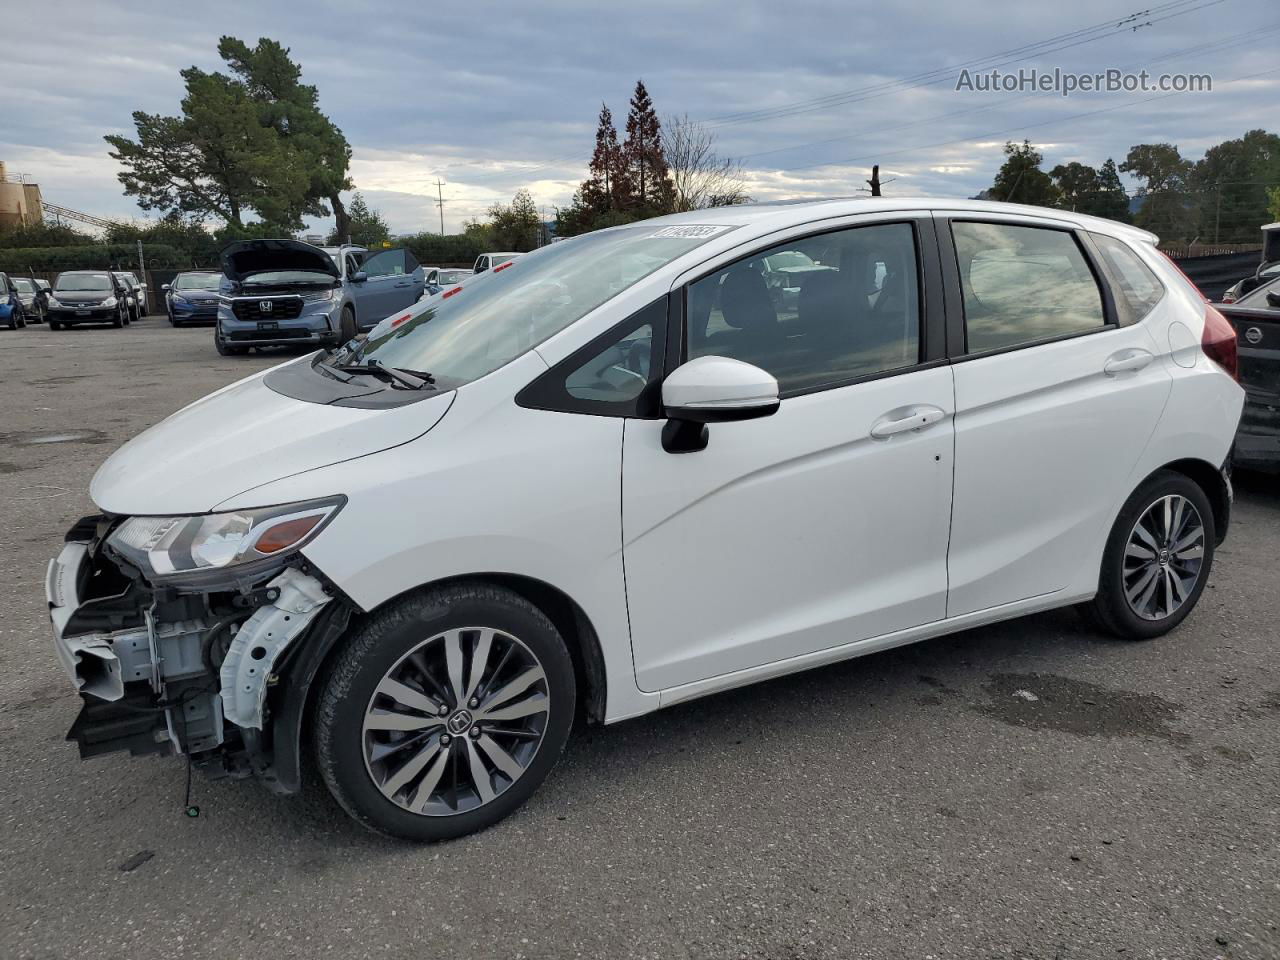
{"points": [[231, 544]]}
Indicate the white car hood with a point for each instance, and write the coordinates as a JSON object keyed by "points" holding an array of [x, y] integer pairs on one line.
{"points": [[243, 436]]}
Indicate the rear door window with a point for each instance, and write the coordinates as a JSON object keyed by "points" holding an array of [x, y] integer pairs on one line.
{"points": [[1023, 284]]}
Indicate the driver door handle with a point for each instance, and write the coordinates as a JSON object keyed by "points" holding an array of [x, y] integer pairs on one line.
{"points": [[917, 416], [1127, 361]]}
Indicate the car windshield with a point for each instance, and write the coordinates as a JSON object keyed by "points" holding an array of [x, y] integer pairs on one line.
{"points": [[276, 278], [463, 333], [24, 286], [97, 282], [198, 281], [1258, 298], [790, 258]]}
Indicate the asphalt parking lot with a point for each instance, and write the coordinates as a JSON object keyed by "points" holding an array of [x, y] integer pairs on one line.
{"points": [[1030, 790]]}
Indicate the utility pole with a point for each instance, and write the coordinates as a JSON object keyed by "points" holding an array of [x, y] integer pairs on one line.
{"points": [[1217, 218], [440, 202], [142, 272]]}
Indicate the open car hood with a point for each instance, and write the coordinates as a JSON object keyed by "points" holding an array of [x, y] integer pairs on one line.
{"points": [[241, 437], [244, 258]]}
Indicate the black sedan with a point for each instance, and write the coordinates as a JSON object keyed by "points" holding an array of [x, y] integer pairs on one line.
{"points": [[88, 296]]}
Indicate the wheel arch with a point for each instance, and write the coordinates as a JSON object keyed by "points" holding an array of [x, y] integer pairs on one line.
{"points": [[1213, 481], [292, 720]]}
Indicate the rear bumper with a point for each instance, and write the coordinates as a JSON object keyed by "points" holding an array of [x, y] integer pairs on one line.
{"points": [[1257, 445]]}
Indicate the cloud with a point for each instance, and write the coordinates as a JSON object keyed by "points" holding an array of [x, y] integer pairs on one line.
{"points": [[493, 97]]}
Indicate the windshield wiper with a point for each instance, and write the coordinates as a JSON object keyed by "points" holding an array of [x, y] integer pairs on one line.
{"points": [[412, 379]]}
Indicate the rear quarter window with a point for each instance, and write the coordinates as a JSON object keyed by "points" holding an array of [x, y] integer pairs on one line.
{"points": [[1137, 289]]}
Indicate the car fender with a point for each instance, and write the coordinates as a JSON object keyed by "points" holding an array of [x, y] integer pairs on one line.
{"points": [[542, 505]]}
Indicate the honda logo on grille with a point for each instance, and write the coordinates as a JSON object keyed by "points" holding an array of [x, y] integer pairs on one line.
{"points": [[265, 306]]}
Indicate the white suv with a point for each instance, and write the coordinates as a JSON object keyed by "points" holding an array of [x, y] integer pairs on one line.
{"points": [[618, 474]]}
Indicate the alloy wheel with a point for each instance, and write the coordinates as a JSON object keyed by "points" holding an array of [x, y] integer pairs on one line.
{"points": [[1163, 557], [455, 721]]}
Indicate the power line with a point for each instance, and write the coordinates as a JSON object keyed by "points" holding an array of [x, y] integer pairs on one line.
{"points": [[1238, 40], [1108, 28], [1015, 129], [1017, 55]]}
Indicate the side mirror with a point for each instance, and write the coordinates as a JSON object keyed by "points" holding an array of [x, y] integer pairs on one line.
{"points": [[1273, 298], [359, 277], [713, 390], [165, 287]]}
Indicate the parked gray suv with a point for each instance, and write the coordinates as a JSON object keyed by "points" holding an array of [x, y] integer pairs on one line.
{"points": [[287, 292]]}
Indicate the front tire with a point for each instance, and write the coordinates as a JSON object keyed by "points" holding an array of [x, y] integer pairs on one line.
{"points": [[347, 326], [1157, 559], [224, 350], [443, 712]]}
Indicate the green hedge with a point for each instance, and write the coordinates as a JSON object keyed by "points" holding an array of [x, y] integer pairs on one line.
{"points": [[94, 256], [435, 250]]}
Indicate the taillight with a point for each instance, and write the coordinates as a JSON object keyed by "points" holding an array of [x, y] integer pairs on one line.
{"points": [[1219, 342]]}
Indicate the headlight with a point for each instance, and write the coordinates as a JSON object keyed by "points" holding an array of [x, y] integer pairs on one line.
{"points": [[176, 547], [54, 302], [178, 298], [109, 302], [318, 295]]}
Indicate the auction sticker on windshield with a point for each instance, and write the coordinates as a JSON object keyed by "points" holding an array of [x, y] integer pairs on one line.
{"points": [[689, 231]]}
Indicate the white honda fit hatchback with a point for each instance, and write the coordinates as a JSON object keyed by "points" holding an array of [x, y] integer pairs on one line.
{"points": [[621, 472]]}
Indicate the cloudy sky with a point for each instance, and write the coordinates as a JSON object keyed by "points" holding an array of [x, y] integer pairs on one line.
{"points": [[493, 97]]}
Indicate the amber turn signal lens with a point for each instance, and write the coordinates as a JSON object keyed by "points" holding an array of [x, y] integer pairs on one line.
{"points": [[286, 534]]}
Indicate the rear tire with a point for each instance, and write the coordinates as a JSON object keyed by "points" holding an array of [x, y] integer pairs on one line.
{"points": [[476, 734], [1152, 576]]}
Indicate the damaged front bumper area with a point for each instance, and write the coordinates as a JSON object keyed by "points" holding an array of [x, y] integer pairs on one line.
{"points": [[220, 675]]}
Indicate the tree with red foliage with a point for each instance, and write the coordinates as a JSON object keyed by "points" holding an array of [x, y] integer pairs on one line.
{"points": [[606, 185], [646, 163]]}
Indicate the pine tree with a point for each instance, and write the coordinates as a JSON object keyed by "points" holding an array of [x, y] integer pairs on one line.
{"points": [[605, 187], [646, 163], [1113, 202]]}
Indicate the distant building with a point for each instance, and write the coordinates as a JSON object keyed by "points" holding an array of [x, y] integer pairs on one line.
{"points": [[20, 202]]}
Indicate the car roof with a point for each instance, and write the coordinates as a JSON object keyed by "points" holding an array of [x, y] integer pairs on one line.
{"points": [[778, 214], [501, 253]]}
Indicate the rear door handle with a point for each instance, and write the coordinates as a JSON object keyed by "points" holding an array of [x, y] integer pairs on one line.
{"points": [[1127, 361], [917, 416]]}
